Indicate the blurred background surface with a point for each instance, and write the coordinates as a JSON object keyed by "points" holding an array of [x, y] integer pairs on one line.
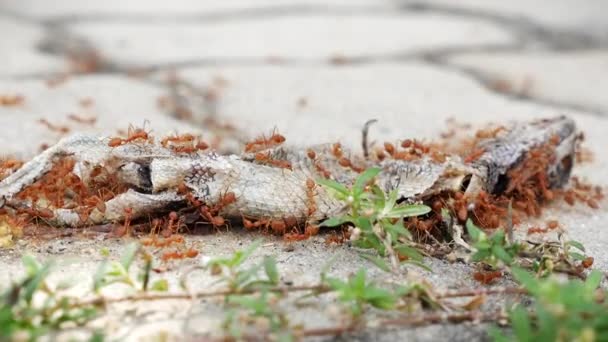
{"points": [[316, 71]]}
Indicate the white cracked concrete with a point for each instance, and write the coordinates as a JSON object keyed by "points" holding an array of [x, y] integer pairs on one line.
{"points": [[587, 17], [309, 102], [335, 102], [117, 102], [552, 76], [300, 37], [20, 55], [77, 8]]}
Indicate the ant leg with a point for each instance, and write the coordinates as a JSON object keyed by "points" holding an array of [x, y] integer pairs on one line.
{"points": [[138, 203], [80, 147]]}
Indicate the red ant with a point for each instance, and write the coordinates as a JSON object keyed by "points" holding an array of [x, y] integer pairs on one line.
{"points": [[262, 142], [265, 158], [133, 134]]}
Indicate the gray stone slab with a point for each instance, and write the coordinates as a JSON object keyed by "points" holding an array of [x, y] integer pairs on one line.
{"points": [[117, 8], [19, 54], [577, 78], [311, 104], [588, 17], [117, 102], [299, 37]]}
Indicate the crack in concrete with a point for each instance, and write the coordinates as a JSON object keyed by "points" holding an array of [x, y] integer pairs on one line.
{"points": [[221, 15], [488, 83], [60, 41], [528, 34]]}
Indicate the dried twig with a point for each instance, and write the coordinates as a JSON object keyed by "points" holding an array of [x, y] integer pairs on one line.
{"points": [[364, 142]]}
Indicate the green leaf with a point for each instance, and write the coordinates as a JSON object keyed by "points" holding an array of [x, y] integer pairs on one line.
{"points": [[446, 215], [254, 304], [98, 336], [397, 228], [335, 221], [129, 255], [500, 253], [241, 256], [146, 273], [335, 284], [98, 278], [402, 290], [419, 264], [339, 188], [379, 298], [498, 237], [32, 266], [371, 241], [364, 223], [481, 255], [393, 196], [497, 335], [161, 285], [483, 245], [270, 267], [409, 210], [326, 267], [379, 262], [577, 256], [380, 199], [521, 324], [244, 276], [104, 252], [475, 233], [547, 325], [34, 282], [358, 280], [527, 280], [593, 281], [363, 179], [285, 337], [410, 252], [576, 244]]}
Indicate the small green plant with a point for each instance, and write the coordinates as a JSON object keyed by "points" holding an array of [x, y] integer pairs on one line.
{"points": [[566, 256], [544, 258], [357, 292], [376, 219], [114, 272], [33, 307], [260, 310], [570, 310], [492, 250], [239, 279]]}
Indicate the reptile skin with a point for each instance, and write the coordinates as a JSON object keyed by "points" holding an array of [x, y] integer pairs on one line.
{"points": [[154, 173]]}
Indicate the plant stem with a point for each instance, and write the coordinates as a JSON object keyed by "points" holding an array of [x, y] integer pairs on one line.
{"points": [[424, 319], [186, 296]]}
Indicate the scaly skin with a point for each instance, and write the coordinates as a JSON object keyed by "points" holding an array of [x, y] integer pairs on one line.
{"points": [[154, 174]]}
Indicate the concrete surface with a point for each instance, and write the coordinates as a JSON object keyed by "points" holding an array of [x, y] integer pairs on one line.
{"points": [[289, 36], [19, 52], [549, 76], [316, 70]]}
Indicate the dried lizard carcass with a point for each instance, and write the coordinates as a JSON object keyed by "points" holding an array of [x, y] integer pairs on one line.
{"points": [[147, 178]]}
